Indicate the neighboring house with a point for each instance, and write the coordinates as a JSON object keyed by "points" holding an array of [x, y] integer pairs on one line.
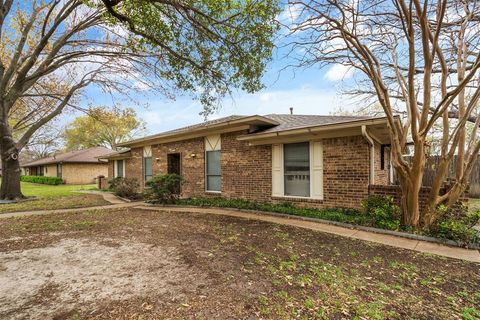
{"points": [[321, 161], [74, 167]]}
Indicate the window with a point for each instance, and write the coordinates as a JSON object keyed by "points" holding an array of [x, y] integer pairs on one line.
{"points": [[119, 169], [59, 170], [297, 169], [147, 168], [213, 171], [213, 174], [147, 163]]}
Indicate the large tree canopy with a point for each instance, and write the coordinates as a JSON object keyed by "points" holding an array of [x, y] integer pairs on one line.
{"points": [[103, 127], [417, 58], [52, 50]]}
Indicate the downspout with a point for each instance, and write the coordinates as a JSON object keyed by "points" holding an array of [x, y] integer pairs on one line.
{"points": [[372, 154]]}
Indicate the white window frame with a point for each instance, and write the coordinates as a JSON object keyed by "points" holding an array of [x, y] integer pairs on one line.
{"points": [[213, 143], [115, 168], [316, 171]]}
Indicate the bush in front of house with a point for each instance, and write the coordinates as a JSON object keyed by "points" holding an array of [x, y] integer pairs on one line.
{"points": [[380, 212], [383, 211], [42, 180], [163, 189], [125, 187], [334, 214], [456, 224]]}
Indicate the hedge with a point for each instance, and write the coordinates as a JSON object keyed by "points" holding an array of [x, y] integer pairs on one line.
{"points": [[42, 180]]}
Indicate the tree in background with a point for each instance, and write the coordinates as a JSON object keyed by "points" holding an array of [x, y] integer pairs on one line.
{"points": [[52, 50], [421, 58], [45, 142], [103, 127]]}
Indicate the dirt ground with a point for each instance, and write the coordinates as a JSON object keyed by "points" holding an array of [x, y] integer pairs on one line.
{"points": [[136, 264]]}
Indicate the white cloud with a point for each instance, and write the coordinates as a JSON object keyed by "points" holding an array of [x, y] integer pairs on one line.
{"points": [[290, 14], [339, 72]]}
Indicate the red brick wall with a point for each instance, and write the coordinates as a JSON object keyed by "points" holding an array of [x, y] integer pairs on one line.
{"points": [[111, 164], [246, 170], [134, 165], [192, 155], [345, 171], [395, 192]]}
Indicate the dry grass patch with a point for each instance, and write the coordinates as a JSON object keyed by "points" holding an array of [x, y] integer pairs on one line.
{"points": [[148, 264]]}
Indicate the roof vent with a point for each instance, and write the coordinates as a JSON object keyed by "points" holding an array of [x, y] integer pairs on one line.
{"points": [[291, 110]]}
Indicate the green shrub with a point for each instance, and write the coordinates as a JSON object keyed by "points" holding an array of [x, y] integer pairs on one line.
{"points": [[125, 187], [455, 230], [112, 183], [380, 212], [42, 180], [457, 225], [163, 189], [384, 212], [333, 214]]}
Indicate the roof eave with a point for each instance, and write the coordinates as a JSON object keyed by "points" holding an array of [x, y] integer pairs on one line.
{"points": [[249, 120], [314, 129]]}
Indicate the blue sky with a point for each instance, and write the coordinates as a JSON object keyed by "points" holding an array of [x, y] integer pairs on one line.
{"points": [[308, 91], [311, 91]]}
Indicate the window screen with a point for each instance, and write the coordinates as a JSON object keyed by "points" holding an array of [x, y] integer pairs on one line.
{"points": [[213, 171], [297, 169], [147, 168], [120, 168]]}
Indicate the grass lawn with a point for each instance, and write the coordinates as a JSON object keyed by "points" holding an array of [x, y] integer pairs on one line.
{"points": [[138, 264], [54, 197]]}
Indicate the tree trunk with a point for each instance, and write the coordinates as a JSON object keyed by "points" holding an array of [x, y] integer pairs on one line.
{"points": [[410, 202], [10, 188]]}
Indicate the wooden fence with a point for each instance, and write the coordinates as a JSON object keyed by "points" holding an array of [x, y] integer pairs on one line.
{"points": [[429, 174]]}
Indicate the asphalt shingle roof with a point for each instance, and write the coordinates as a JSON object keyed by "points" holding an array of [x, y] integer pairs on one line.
{"points": [[285, 122], [297, 121], [80, 156]]}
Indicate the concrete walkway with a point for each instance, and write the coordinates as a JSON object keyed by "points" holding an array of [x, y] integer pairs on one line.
{"points": [[107, 196], [390, 240]]}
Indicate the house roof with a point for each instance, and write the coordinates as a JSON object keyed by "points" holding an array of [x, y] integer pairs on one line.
{"points": [[89, 155], [297, 121], [120, 154], [259, 125], [229, 122]]}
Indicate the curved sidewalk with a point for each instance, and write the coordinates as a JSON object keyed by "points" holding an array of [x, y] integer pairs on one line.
{"points": [[385, 239]]}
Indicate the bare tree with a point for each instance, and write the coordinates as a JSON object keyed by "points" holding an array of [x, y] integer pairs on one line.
{"points": [[52, 50], [417, 58]]}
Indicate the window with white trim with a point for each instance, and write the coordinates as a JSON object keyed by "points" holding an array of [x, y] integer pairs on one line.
{"points": [[297, 170], [119, 168], [213, 168]]}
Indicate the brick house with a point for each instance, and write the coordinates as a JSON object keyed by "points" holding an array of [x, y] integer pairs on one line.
{"points": [[320, 161], [74, 167]]}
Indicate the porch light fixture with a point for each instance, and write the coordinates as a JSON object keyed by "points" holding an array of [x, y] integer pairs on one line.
{"points": [[193, 155]]}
